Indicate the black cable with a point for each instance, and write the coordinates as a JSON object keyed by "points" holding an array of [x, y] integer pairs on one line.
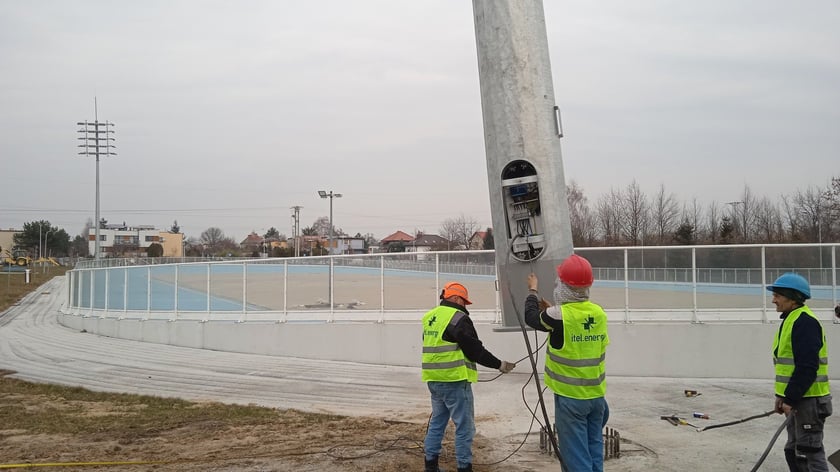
{"points": [[730, 423], [541, 401], [772, 441]]}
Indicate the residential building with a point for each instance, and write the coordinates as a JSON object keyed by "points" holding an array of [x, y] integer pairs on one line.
{"points": [[134, 241], [477, 240], [348, 245], [7, 239], [395, 242], [428, 242]]}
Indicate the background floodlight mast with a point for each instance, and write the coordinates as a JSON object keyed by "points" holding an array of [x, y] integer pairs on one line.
{"points": [[96, 141], [296, 228], [330, 195]]}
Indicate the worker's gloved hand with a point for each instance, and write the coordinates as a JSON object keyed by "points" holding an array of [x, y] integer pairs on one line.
{"points": [[506, 367], [544, 304]]}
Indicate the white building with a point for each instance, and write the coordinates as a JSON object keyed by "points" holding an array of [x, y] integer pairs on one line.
{"points": [[133, 241]]}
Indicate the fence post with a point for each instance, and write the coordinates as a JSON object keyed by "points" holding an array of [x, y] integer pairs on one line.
{"points": [[125, 290], [207, 264], [764, 317], [244, 291], [695, 318], [382, 289], [107, 291], [148, 291], [626, 289], [177, 266], [284, 318]]}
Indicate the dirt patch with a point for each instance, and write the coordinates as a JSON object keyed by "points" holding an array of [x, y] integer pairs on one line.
{"points": [[51, 424]]}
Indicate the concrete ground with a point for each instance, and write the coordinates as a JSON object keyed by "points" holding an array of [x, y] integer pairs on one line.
{"points": [[34, 345]]}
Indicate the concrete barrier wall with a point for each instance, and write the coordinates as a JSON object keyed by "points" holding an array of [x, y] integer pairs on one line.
{"points": [[681, 350]]}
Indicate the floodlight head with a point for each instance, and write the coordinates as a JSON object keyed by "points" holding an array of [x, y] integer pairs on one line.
{"points": [[337, 195], [322, 193]]}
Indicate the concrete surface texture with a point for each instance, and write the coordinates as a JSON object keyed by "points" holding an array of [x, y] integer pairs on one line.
{"points": [[34, 345]]}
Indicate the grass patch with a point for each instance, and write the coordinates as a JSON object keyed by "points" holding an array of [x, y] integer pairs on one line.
{"points": [[52, 409], [13, 285]]}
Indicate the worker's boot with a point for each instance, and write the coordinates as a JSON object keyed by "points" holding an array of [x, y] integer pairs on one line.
{"points": [[468, 468], [432, 465]]}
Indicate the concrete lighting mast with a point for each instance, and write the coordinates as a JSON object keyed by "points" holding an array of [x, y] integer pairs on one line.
{"points": [[96, 141], [522, 132]]}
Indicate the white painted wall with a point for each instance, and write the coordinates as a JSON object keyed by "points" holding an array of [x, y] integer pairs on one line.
{"points": [[711, 350]]}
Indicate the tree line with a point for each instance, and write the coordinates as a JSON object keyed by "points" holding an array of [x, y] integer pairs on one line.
{"points": [[621, 217], [630, 217]]}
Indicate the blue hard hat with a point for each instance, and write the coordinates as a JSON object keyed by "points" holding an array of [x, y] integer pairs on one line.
{"points": [[792, 281]]}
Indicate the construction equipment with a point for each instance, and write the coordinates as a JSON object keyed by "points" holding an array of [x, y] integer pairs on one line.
{"points": [[17, 257], [46, 260]]}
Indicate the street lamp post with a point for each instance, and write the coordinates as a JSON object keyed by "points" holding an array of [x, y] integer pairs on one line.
{"points": [[330, 195], [46, 253]]}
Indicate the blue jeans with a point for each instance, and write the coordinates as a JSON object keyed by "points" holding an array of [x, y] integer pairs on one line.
{"points": [[580, 425], [451, 400]]}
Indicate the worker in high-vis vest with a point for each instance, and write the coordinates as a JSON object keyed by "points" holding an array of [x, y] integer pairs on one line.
{"points": [[800, 356], [574, 363], [451, 350]]}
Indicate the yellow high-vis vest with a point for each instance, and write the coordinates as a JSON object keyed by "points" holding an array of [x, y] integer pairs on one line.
{"points": [[577, 370], [783, 356], [444, 361]]}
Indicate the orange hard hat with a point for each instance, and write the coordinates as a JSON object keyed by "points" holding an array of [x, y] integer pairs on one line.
{"points": [[575, 271], [454, 288]]}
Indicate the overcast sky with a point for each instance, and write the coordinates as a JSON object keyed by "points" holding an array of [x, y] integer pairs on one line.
{"points": [[228, 113]]}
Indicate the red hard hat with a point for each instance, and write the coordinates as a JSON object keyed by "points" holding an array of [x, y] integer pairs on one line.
{"points": [[575, 271], [454, 288]]}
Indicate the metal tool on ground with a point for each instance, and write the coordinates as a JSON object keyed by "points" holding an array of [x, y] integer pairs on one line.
{"points": [[692, 393], [704, 416], [676, 421]]}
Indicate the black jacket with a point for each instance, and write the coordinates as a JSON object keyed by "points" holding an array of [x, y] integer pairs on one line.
{"points": [[535, 318], [463, 332]]}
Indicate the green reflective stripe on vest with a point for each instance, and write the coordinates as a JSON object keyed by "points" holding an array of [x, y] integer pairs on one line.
{"points": [[784, 362], [451, 347], [576, 362], [450, 365], [577, 370], [444, 361], [785, 380], [789, 360], [576, 381]]}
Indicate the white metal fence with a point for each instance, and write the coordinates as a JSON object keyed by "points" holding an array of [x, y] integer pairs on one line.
{"points": [[677, 283]]}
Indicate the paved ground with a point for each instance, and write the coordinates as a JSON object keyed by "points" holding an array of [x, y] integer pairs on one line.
{"points": [[38, 349]]}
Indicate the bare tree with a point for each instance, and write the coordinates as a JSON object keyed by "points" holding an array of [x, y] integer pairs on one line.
{"points": [[748, 208], [768, 222], [214, 240], [636, 211], [609, 218], [691, 215], [713, 222], [831, 196], [581, 218], [664, 213], [810, 207], [459, 230]]}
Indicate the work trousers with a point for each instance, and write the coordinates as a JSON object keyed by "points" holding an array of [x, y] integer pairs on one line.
{"points": [[580, 437], [804, 450], [451, 400]]}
